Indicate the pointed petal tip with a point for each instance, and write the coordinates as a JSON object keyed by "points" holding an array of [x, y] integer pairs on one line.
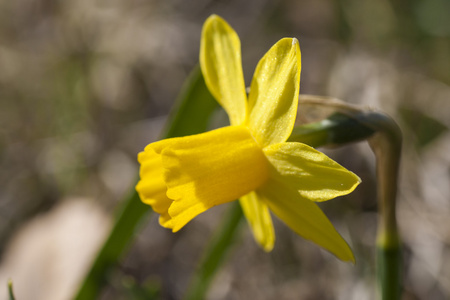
{"points": [[357, 182], [351, 260], [359, 179], [290, 40], [344, 255], [214, 18], [347, 256], [268, 248]]}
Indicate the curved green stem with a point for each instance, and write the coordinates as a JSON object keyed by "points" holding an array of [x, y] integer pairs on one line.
{"points": [[387, 144], [351, 124]]}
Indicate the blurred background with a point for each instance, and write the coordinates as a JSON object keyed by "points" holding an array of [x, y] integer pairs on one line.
{"points": [[85, 85]]}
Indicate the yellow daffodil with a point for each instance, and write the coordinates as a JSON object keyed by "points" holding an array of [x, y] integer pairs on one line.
{"points": [[249, 160]]}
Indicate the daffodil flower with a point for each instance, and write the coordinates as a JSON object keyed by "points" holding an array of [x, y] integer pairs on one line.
{"points": [[249, 160]]}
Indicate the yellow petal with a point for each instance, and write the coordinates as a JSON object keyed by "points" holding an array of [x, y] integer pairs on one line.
{"points": [[211, 168], [273, 97], [305, 218], [259, 219], [151, 187], [220, 61], [313, 174]]}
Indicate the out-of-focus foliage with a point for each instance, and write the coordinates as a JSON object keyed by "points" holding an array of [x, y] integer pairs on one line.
{"points": [[85, 85]]}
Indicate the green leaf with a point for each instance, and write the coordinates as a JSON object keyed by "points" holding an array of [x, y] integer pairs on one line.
{"points": [[190, 115], [193, 109]]}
